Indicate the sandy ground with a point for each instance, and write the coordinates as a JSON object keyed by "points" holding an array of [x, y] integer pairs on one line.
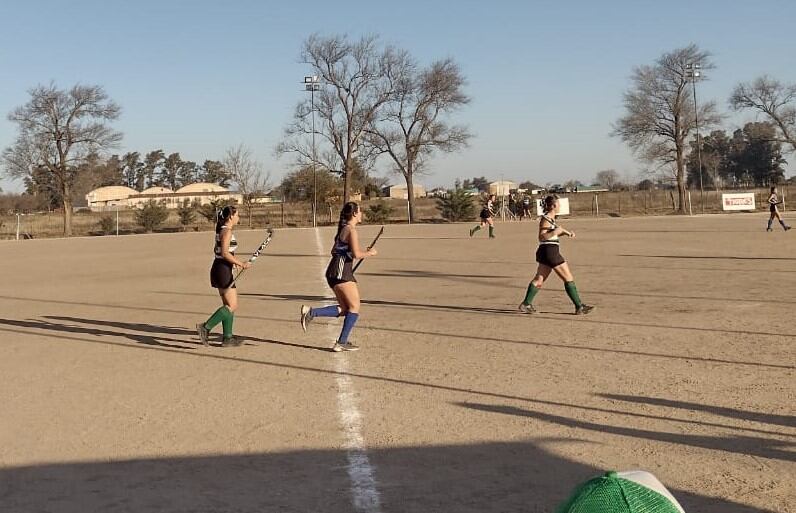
{"points": [[686, 369]]}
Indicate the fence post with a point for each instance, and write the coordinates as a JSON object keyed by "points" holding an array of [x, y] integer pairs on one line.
{"points": [[18, 225]]}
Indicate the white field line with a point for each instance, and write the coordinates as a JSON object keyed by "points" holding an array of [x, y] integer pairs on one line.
{"points": [[364, 494]]}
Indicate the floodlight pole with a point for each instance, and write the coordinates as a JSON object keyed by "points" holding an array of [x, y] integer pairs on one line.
{"points": [[18, 215], [693, 70], [311, 84]]}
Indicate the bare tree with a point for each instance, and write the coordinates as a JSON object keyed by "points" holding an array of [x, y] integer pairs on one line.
{"points": [[413, 125], [607, 178], [774, 99], [660, 112], [58, 131], [353, 90], [247, 175]]}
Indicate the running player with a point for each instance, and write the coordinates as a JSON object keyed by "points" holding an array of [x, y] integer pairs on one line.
{"points": [[340, 277], [549, 258], [487, 215], [221, 278], [773, 201]]}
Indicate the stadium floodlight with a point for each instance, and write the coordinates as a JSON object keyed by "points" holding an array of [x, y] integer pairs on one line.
{"points": [[693, 71], [312, 84]]}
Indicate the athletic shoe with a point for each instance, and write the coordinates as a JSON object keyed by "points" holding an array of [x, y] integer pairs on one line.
{"points": [[526, 309], [492, 237], [232, 341], [349, 346], [306, 317], [203, 333], [336, 348], [769, 229], [787, 228], [583, 309]]}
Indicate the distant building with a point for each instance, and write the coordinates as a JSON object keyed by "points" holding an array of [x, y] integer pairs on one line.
{"points": [[110, 196], [201, 193], [400, 191]]}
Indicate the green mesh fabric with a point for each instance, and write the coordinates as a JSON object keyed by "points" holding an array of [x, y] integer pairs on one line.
{"points": [[611, 494]]}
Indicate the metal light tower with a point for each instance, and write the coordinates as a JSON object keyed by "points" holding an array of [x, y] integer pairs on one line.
{"points": [[312, 84], [694, 72]]}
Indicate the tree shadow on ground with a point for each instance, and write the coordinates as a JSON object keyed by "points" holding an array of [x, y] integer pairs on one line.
{"points": [[752, 416], [490, 477], [746, 445]]}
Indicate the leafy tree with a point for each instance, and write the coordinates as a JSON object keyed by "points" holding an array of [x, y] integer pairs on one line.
{"points": [[212, 171], [456, 206], [170, 171], [151, 215], [57, 130], [187, 173], [660, 112], [133, 171], [379, 212], [153, 173], [107, 225], [479, 182], [298, 185]]}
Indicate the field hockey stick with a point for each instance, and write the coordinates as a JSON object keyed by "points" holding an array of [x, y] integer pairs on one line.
{"points": [[372, 244], [270, 233]]}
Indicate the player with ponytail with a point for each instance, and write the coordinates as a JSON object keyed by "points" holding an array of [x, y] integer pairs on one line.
{"points": [[549, 258], [221, 277], [340, 277]]}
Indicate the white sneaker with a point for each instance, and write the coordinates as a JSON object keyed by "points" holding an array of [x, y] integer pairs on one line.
{"points": [[337, 348], [306, 317]]}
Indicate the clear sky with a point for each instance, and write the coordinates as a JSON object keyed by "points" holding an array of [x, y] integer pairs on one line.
{"points": [[546, 77]]}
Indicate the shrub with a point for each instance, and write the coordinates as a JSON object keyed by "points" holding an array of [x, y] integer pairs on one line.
{"points": [[107, 225], [187, 214], [210, 210], [379, 213], [151, 215], [456, 206]]}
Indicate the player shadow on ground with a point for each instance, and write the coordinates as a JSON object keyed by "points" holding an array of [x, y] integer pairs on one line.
{"points": [[706, 257], [487, 477], [752, 416], [745, 445], [512, 312], [84, 330], [151, 340]]}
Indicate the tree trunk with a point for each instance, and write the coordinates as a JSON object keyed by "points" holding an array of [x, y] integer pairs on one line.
{"points": [[67, 211], [410, 195], [680, 181], [347, 180]]}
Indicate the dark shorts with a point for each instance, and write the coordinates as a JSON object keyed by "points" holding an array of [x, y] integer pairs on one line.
{"points": [[485, 214], [339, 271], [772, 209], [549, 255], [221, 274]]}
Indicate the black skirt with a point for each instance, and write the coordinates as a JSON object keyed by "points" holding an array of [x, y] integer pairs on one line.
{"points": [[339, 270], [221, 274], [772, 209], [485, 214], [549, 255]]}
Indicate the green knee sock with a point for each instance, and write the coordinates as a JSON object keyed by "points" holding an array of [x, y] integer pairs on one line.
{"points": [[572, 292], [477, 227], [530, 293], [218, 316], [491, 231], [227, 325]]}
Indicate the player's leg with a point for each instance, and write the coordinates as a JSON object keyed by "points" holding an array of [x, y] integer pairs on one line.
{"points": [[542, 272]]}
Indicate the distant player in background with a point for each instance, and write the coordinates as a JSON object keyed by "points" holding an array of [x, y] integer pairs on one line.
{"points": [[221, 278], [526, 207], [773, 201], [340, 277], [487, 217], [548, 255]]}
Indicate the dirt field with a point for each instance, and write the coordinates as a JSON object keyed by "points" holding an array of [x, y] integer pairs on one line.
{"points": [[455, 403]]}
